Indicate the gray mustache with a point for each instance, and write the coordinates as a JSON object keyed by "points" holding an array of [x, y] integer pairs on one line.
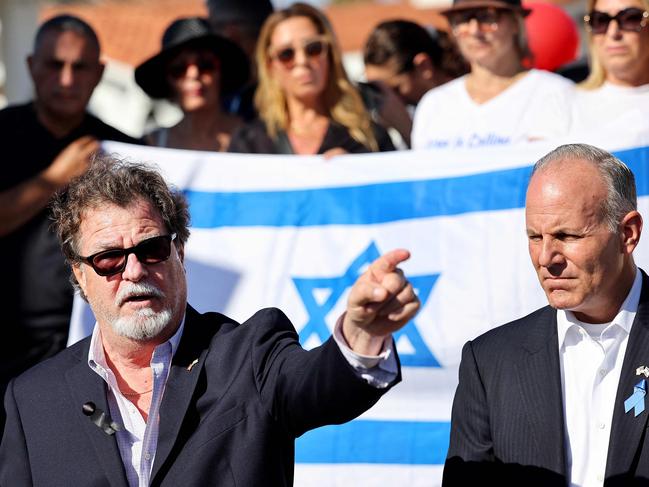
{"points": [[137, 289]]}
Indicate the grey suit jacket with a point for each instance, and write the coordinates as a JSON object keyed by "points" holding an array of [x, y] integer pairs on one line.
{"points": [[507, 425], [231, 420]]}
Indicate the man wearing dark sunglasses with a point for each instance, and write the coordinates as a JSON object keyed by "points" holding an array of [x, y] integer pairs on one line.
{"points": [[618, 84], [162, 395]]}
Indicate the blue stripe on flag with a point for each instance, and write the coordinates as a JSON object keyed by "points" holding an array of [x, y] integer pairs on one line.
{"points": [[379, 203], [360, 441]]}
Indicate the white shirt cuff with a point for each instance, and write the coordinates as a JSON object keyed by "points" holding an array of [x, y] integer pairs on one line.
{"points": [[377, 370]]}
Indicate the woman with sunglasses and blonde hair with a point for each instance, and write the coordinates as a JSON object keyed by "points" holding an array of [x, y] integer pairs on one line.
{"points": [[194, 69], [306, 103], [618, 84], [499, 102]]}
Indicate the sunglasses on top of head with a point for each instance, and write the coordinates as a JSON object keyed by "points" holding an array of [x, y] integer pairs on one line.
{"points": [[312, 49], [113, 261], [487, 19], [630, 19], [203, 64]]}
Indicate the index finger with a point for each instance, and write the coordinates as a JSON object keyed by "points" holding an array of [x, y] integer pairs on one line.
{"points": [[388, 262]]}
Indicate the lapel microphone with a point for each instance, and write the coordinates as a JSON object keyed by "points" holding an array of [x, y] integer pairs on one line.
{"points": [[101, 419]]}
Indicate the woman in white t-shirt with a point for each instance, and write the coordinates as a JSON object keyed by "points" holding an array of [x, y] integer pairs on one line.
{"points": [[499, 102], [618, 84]]}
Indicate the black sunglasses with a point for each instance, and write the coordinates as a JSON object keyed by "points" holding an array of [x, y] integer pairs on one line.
{"points": [[630, 19], [312, 49], [149, 251], [203, 65], [484, 16]]}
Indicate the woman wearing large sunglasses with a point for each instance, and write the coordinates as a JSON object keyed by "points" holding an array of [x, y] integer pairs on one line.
{"points": [[499, 102], [194, 68], [306, 103], [618, 84]]}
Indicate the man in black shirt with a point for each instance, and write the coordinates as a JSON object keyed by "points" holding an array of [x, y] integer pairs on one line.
{"points": [[44, 144]]}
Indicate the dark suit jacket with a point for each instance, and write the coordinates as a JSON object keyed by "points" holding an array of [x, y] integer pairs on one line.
{"points": [[229, 421], [508, 423]]}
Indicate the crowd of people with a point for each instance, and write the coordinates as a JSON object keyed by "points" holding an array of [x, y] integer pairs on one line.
{"points": [[249, 79]]}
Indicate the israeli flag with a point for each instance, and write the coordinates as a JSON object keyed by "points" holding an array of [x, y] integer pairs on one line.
{"points": [[295, 232]]}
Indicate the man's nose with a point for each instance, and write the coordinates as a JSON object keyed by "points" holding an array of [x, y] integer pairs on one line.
{"points": [[135, 270], [550, 253], [66, 75]]}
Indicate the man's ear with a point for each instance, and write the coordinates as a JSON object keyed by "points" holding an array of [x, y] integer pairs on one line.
{"points": [[631, 229], [30, 65], [181, 252], [423, 65], [99, 73], [80, 276]]}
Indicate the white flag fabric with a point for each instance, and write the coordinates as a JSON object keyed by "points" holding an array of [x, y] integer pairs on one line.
{"points": [[295, 232]]}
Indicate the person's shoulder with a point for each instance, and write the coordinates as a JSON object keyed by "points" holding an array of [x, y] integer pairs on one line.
{"points": [[103, 131], [549, 80], [269, 319], [264, 326], [213, 324], [443, 90], [252, 137], [254, 127], [17, 113], [50, 373], [513, 332]]}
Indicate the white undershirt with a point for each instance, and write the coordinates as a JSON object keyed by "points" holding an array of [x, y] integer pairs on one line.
{"points": [[591, 358]]}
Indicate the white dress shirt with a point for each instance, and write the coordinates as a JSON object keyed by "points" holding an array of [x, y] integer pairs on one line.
{"points": [[138, 439], [591, 357]]}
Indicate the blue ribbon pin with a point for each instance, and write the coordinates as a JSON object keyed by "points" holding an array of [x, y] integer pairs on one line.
{"points": [[636, 400]]}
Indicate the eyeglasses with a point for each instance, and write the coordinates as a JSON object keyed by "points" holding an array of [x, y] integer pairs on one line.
{"points": [[487, 19], [203, 65], [312, 49], [149, 251], [630, 19]]}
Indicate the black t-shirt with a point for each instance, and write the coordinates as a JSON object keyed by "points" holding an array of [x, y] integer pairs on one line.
{"points": [[36, 294]]}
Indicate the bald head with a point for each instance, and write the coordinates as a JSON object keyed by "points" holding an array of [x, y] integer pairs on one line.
{"points": [[66, 23], [572, 162]]}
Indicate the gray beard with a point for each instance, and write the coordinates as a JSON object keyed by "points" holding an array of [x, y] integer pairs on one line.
{"points": [[143, 325]]}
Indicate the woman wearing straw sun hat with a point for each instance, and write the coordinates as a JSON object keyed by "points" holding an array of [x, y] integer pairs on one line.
{"points": [[194, 69], [500, 102]]}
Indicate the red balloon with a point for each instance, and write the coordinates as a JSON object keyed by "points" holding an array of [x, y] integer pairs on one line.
{"points": [[552, 35]]}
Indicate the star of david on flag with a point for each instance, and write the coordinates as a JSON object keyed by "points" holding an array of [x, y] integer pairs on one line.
{"points": [[412, 349]]}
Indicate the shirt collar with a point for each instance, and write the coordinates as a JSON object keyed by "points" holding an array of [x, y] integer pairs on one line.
{"points": [[96, 356], [624, 318]]}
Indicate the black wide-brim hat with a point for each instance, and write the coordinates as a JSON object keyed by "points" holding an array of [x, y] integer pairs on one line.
{"points": [[514, 5], [193, 32]]}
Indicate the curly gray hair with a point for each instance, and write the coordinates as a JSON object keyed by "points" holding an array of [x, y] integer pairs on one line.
{"points": [[118, 182]]}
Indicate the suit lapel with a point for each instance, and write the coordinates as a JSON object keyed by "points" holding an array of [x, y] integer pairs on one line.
{"points": [[627, 430], [185, 370], [539, 379], [87, 386]]}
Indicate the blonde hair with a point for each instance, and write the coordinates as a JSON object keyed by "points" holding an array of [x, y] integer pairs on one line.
{"points": [[597, 74], [341, 98]]}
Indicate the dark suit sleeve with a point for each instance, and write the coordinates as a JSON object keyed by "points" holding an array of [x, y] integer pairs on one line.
{"points": [[14, 459], [305, 389], [470, 455]]}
